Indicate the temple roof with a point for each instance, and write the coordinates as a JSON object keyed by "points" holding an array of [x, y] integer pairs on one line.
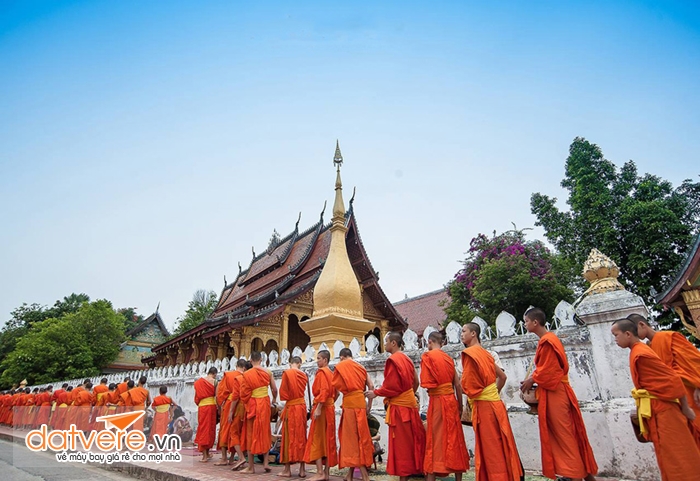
{"points": [[155, 317], [687, 274], [288, 268], [423, 311]]}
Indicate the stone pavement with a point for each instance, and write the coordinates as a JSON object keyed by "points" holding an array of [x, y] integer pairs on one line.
{"points": [[190, 469]]}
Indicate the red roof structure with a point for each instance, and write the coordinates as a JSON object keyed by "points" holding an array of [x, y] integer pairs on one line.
{"points": [[424, 310]]}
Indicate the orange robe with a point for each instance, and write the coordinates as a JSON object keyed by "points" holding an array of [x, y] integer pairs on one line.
{"points": [[54, 405], [122, 388], [3, 408], [223, 392], [496, 454], [139, 398], [565, 447], [257, 406], [236, 428], [676, 453], [321, 441], [161, 405], [206, 414], [82, 404], [19, 410], [43, 401], [14, 409], [112, 399], [99, 393], [30, 410], [406, 431], [72, 414], [445, 448], [60, 415], [679, 354], [292, 390], [356, 447]]}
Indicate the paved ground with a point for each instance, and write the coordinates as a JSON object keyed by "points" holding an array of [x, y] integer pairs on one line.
{"points": [[21, 465]]}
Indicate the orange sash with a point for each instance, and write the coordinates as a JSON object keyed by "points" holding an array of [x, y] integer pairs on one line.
{"points": [[355, 400], [441, 390], [406, 399]]}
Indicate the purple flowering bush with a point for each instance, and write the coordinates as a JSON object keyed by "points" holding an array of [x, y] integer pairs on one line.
{"points": [[507, 273]]}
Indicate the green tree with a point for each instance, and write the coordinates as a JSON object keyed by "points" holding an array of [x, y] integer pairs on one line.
{"points": [[131, 319], [202, 304], [506, 273], [642, 222], [77, 344]]}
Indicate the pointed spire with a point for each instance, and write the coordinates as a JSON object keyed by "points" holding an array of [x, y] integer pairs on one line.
{"points": [[324, 209], [296, 227], [157, 307], [338, 205], [338, 157]]}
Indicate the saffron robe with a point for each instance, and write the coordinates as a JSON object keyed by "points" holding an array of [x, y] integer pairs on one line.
{"points": [[292, 390], [20, 411], [223, 392], [356, 447], [496, 454], [29, 409], [122, 388], [139, 398], [54, 405], [206, 414], [257, 406], [73, 410], [236, 429], [676, 452], [58, 420], [99, 393], [43, 401], [321, 441], [445, 448], [82, 403], [565, 448], [679, 354], [406, 431], [161, 405]]}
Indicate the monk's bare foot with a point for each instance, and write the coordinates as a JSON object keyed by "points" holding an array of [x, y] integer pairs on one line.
{"points": [[238, 465], [285, 474], [221, 463], [247, 470], [318, 477], [267, 469]]}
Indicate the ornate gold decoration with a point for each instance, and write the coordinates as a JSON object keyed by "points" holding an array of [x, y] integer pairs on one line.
{"points": [[602, 273], [692, 298], [691, 329], [337, 298]]}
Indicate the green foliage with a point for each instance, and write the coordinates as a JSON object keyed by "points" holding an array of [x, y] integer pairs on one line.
{"points": [[506, 273], [131, 319], [200, 307], [642, 222], [77, 344]]}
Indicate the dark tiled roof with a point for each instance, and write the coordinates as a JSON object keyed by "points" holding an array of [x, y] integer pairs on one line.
{"points": [[687, 269], [141, 325], [285, 271], [423, 311]]}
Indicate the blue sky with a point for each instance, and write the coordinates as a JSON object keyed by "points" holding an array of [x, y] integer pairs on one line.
{"points": [[146, 146]]}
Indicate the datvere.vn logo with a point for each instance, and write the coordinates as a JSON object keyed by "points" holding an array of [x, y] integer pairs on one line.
{"points": [[110, 445]]}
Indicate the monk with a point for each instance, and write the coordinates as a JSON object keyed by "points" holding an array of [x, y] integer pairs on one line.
{"points": [[82, 403], [565, 448], [662, 407], [31, 408], [254, 393], [680, 355], [496, 454], [73, 409], [445, 448], [223, 394], [100, 394], [236, 415], [112, 399], [123, 387], [54, 402], [292, 391], [321, 445], [356, 448], [60, 415], [20, 410], [204, 392], [140, 398], [163, 406], [44, 403], [406, 431], [125, 404]]}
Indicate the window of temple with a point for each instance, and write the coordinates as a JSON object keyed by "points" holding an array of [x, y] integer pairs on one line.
{"points": [[378, 335], [256, 345], [295, 334], [270, 346]]}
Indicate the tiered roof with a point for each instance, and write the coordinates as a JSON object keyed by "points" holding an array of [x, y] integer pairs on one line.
{"points": [[685, 279], [288, 268]]}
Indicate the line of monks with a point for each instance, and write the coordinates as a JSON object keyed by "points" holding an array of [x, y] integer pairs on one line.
{"points": [[665, 373], [666, 378], [82, 405]]}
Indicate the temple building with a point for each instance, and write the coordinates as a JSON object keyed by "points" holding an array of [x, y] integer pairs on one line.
{"points": [[683, 294], [141, 339], [425, 310], [309, 287]]}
